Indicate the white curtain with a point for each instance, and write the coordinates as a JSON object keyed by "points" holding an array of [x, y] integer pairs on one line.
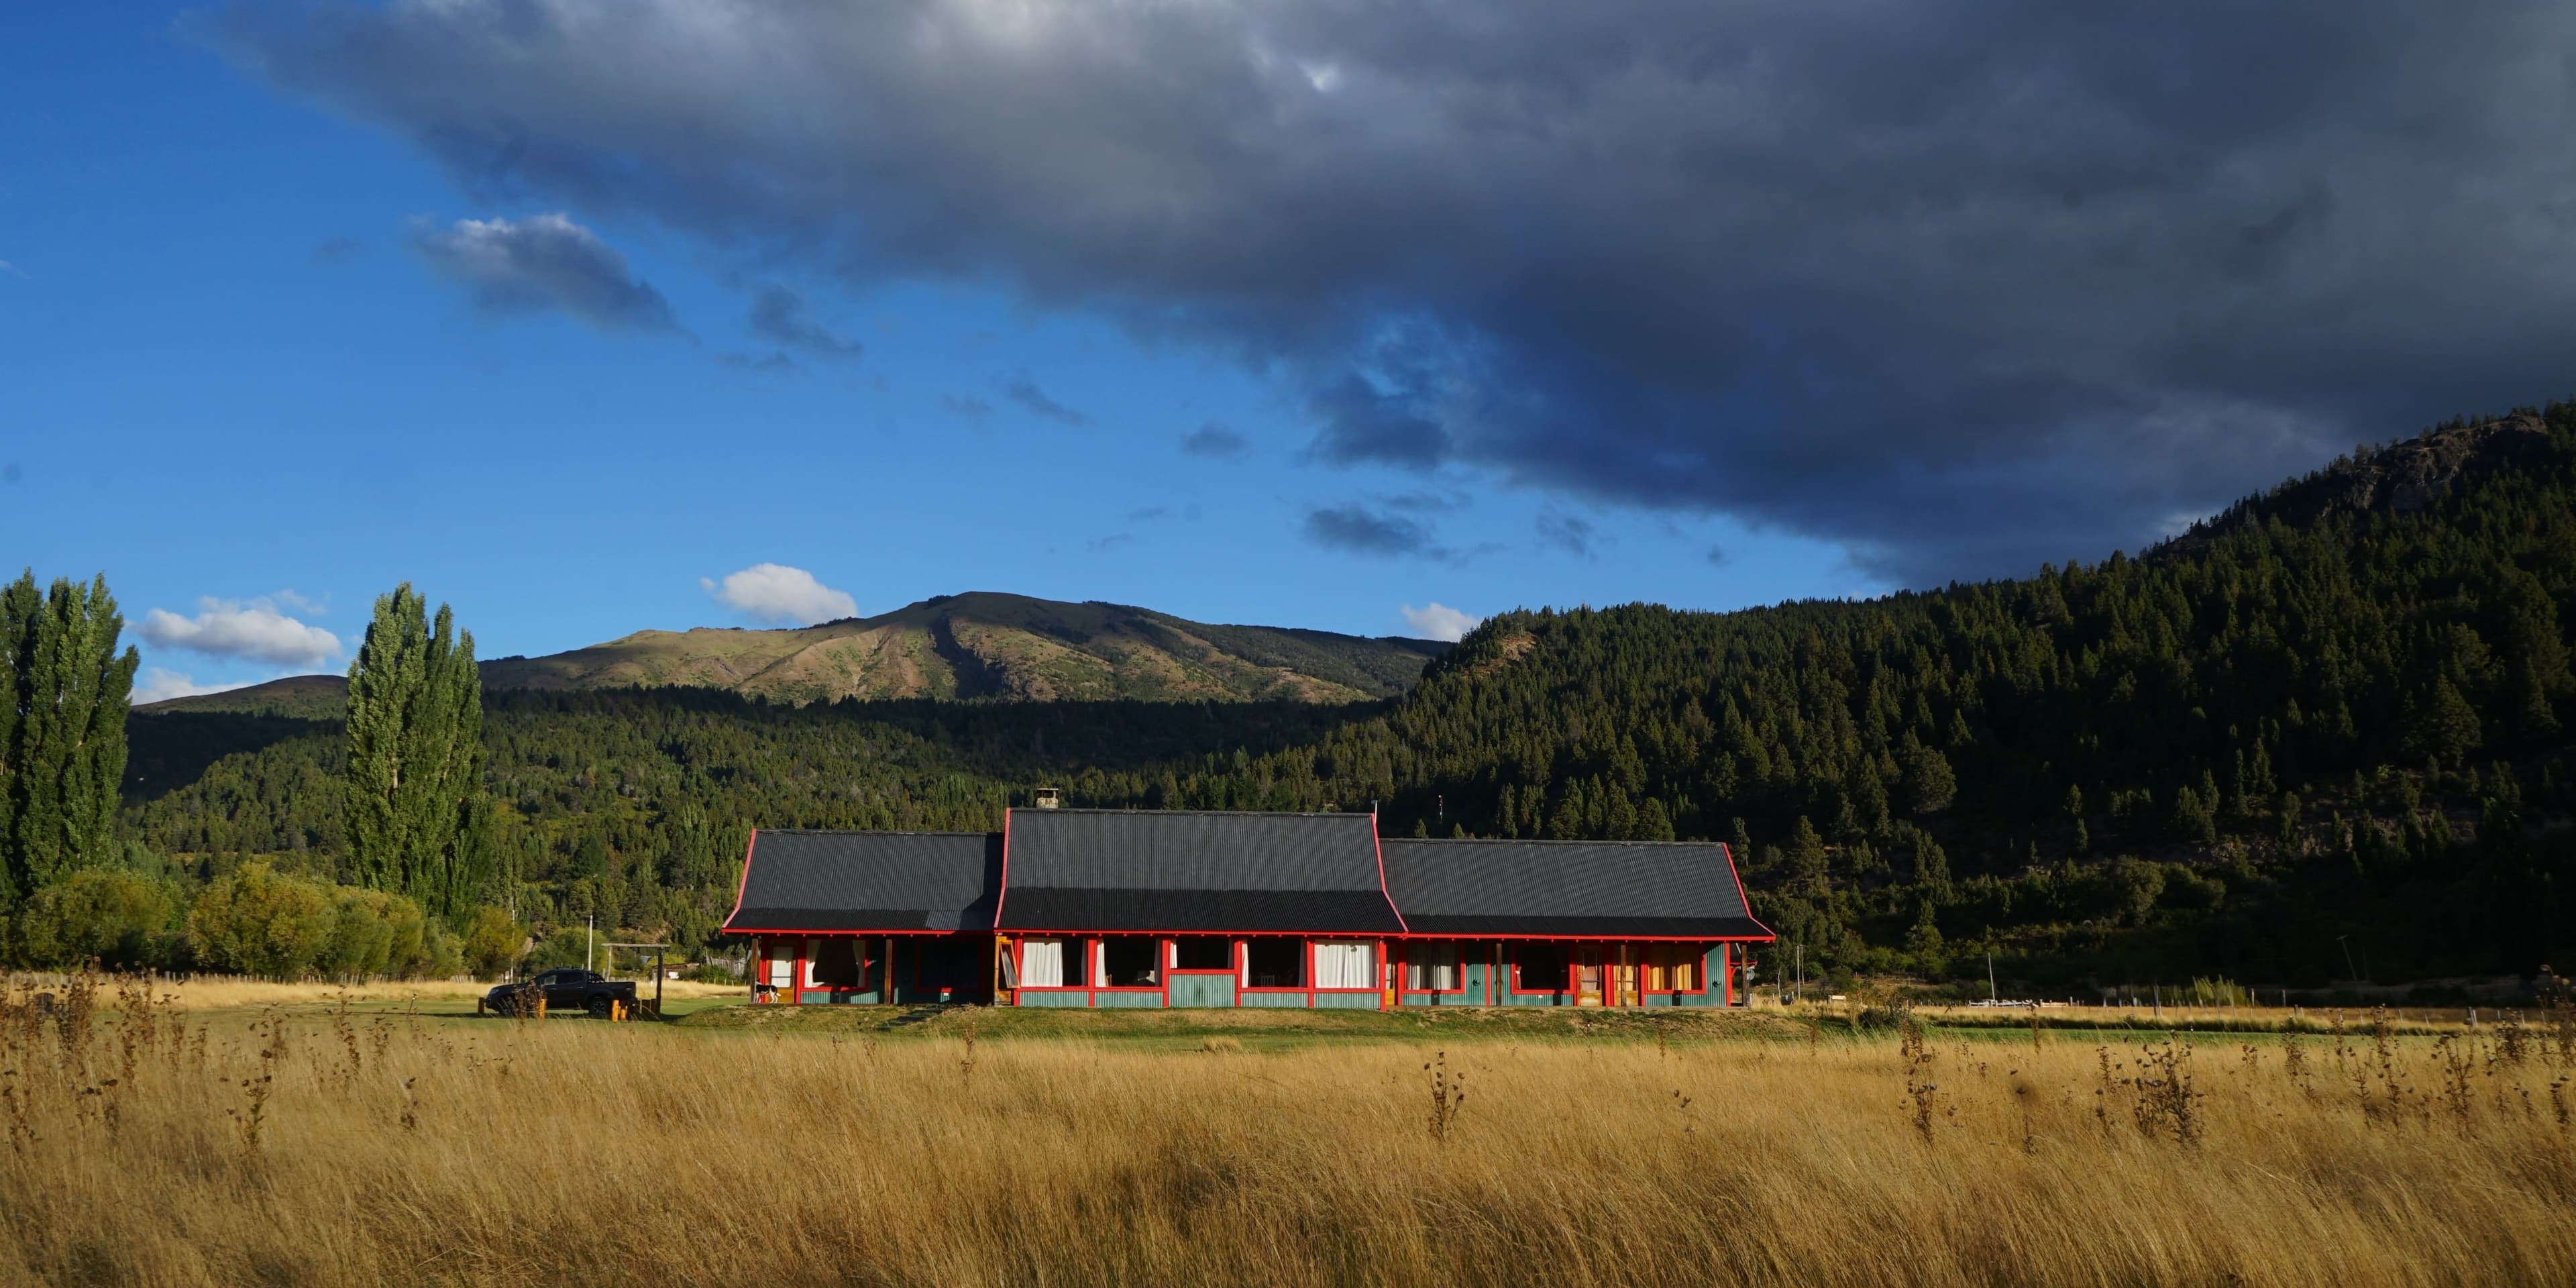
{"points": [[782, 964], [1432, 967], [1042, 963], [813, 950], [1343, 966]]}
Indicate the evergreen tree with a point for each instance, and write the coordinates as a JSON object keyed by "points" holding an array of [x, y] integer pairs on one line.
{"points": [[63, 697], [418, 821]]}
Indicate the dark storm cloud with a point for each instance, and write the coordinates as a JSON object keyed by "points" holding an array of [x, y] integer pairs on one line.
{"points": [[1024, 391], [1215, 442], [1960, 286], [544, 262], [779, 316], [1573, 535], [1359, 530]]}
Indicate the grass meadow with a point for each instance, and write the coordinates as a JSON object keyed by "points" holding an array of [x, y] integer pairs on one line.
{"points": [[311, 1142]]}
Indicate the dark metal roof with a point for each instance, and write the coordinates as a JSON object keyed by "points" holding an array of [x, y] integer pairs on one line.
{"points": [[1677, 889], [1188, 870], [870, 881]]}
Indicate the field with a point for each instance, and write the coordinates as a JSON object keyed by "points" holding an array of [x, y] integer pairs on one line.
{"points": [[391, 1142]]}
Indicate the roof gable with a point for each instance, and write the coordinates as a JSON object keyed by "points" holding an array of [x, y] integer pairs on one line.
{"points": [[869, 881], [1675, 889], [1195, 871]]}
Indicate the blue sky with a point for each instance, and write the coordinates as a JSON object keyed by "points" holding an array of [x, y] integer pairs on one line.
{"points": [[566, 311], [228, 374]]}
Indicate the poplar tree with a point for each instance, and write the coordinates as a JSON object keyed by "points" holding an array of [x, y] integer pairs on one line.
{"points": [[63, 696], [419, 822]]}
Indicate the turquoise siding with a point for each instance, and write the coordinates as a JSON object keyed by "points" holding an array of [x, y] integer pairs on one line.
{"points": [[1297, 1000], [1476, 972], [1346, 1001], [1202, 990], [1054, 999], [1128, 1000]]}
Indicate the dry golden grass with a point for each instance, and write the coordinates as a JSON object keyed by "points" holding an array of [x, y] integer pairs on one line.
{"points": [[144, 1148], [233, 992]]}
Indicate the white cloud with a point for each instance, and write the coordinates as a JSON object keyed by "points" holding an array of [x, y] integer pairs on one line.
{"points": [[1439, 622], [160, 685], [252, 630], [776, 593]]}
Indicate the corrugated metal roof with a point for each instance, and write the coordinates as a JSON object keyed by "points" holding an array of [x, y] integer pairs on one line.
{"points": [[1679, 889], [870, 881], [1199, 871]]}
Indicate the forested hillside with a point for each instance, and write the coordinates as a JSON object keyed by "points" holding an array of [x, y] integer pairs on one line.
{"points": [[2333, 718]]}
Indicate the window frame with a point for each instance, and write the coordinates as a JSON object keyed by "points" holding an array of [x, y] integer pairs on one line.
{"points": [[1305, 959], [1368, 965], [1072, 950]]}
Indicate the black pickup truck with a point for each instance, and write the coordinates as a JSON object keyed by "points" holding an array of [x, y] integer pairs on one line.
{"points": [[568, 989]]}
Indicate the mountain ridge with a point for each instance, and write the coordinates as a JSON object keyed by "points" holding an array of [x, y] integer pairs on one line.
{"points": [[980, 644]]}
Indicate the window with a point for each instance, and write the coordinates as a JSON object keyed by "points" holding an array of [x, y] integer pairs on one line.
{"points": [[1274, 963], [1672, 968], [941, 963], [1203, 952], [1540, 967], [1128, 962], [1043, 963], [782, 964], [1431, 967], [1344, 966], [832, 963]]}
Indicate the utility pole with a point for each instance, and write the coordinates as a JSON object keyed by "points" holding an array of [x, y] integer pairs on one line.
{"points": [[2347, 956], [1991, 994], [589, 940]]}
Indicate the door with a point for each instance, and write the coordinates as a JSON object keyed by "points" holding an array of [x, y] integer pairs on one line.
{"points": [[1587, 977]]}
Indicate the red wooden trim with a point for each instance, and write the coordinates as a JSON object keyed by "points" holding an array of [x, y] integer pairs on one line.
{"points": [[854, 934], [1378, 843], [1223, 932], [1165, 953], [743, 882], [1003, 895], [1487, 936], [1726, 962], [1729, 852]]}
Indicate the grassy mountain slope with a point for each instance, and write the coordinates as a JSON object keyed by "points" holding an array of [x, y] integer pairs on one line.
{"points": [[295, 697], [978, 645], [993, 645]]}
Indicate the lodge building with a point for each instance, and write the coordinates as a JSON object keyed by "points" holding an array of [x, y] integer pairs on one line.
{"points": [[1178, 908]]}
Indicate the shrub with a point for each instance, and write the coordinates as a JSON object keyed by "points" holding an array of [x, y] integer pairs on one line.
{"points": [[564, 946], [493, 943], [442, 956], [114, 916], [262, 922]]}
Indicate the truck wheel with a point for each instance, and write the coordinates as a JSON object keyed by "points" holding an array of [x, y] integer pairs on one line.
{"points": [[599, 1008]]}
